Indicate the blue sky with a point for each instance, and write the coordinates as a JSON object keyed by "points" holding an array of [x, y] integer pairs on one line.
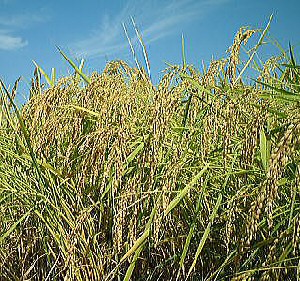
{"points": [[30, 30]]}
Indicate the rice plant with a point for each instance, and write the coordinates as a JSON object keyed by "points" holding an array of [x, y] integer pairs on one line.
{"points": [[109, 177]]}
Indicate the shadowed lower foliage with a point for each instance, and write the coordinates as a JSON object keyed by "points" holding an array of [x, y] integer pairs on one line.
{"points": [[196, 178]]}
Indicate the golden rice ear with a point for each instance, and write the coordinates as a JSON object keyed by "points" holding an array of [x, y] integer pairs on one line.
{"points": [[242, 37]]}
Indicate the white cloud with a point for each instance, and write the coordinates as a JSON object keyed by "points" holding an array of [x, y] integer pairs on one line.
{"points": [[22, 20], [107, 39], [159, 19], [10, 42], [11, 24], [176, 14]]}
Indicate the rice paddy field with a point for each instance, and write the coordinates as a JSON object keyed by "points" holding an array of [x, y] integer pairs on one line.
{"points": [[110, 177]]}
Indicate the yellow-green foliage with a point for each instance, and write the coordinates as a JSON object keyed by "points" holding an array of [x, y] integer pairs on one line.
{"points": [[194, 178]]}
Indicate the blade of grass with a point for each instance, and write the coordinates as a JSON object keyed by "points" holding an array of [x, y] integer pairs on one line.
{"points": [[145, 53], [131, 48], [24, 130], [265, 149], [77, 75], [195, 83], [205, 234], [140, 241], [14, 226], [279, 90], [77, 70], [48, 79], [183, 53], [184, 191], [191, 231], [80, 108], [259, 43], [134, 153], [133, 263]]}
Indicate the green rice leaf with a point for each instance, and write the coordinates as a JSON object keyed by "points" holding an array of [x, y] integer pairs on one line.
{"points": [[195, 83], [139, 242], [206, 233], [186, 245], [80, 108], [265, 149], [14, 226], [183, 52], [184, 191], [25, 133], [282, 93], [134, 153], [77, 70], [132, 264], [48, 79]]}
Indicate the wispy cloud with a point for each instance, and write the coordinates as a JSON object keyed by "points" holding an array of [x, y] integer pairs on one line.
{"points": [[176, 14], [107, 38], [12, 24], [9, 42], [22, 20], [158, 18]]}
